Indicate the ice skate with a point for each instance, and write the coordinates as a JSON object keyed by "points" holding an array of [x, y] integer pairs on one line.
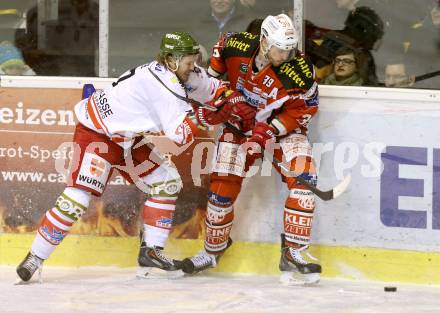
{"points": [[153, 263], [202, 261], [27, 268], [296, 269]]}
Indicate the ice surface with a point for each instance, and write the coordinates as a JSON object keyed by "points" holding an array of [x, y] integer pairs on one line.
{"points": [[96, 290]]}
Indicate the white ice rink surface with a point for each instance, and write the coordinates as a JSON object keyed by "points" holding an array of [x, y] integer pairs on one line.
{"points": [[95, 290]]}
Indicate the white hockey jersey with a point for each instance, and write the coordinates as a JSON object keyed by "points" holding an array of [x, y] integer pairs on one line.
{"points": [[138, 104]]}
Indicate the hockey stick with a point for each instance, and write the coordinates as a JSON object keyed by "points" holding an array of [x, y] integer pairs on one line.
{"points": [[420, 77], [427, 75], [324, 195]]}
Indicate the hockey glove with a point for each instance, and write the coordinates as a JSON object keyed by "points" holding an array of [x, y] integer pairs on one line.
{"points": [[262, 133], [243, 115], [219, 110]]}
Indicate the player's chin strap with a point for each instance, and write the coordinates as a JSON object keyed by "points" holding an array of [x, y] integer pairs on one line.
{"points": [[324, 195]]}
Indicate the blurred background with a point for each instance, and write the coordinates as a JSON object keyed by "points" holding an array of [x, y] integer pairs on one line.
{"points": [[394, 43]]}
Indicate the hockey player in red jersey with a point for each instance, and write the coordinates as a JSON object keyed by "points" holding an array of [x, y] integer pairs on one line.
{"points": [[279, 82], [113, 122]]}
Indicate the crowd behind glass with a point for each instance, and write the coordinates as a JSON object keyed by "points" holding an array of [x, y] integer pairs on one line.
{"points": [[392, 43]]}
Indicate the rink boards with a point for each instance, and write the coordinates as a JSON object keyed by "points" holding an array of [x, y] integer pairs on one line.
{"points": [[385, 227], [356, 263]]}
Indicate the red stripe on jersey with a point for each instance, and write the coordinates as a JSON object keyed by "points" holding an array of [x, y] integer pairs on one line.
{"points": [[92, 114], [96, 115]]}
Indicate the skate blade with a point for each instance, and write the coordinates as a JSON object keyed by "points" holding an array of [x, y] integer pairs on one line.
{"points": [[157, 273], [298, 279], [19, 281], [39, 279]]}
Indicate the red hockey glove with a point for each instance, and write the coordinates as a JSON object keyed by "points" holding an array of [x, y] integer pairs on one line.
{"points": [[223, 105], [244, 115], [262, 133]]}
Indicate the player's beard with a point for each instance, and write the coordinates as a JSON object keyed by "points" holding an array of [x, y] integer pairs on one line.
{"points": [[183, 76]]}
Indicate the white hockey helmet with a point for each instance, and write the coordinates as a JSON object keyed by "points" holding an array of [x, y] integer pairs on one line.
{"points": [[279, 32]]}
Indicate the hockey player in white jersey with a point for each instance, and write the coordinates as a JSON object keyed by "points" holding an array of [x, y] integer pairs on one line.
{"points": [[113, 122]]}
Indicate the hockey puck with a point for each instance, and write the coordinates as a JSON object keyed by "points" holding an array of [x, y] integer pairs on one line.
{"points": [[390, 289]]}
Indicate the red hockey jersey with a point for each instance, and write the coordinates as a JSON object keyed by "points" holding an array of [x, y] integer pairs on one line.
{"points": [[285, 96]]}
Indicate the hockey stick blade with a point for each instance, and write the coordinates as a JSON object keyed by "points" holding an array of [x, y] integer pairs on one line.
{"points": [[332, 193], [324, 195], [342, 186]]}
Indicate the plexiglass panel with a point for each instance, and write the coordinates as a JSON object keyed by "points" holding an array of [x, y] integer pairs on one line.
{"points": [[395, 43], [51, 37], [136, 26]]}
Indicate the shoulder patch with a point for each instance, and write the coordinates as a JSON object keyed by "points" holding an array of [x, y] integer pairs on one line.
{"points": [[311, 97], [297, 73], [240, 44]]}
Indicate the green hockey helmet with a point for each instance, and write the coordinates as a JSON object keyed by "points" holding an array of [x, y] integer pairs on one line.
{"points": [[178, 44]]}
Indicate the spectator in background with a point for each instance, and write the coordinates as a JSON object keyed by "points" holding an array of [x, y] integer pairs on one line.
{"points": [[349, 5], [422, 45], [396, 76], [222, 12], [254, 26], [12, 62], [69, 45], [345, 69], [221, 16], [362, 32], [343, 8], [330, 14], [435, 13], [248, 3], [264, 7]]}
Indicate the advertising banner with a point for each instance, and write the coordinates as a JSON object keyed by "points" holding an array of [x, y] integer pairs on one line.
{"points": [[36, 131], [387, 140], [390, 145]]}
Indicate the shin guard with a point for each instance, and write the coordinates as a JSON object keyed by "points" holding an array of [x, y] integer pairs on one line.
{"points": [[220, 213], [57, 221], [158, 219], [298, 216]]}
